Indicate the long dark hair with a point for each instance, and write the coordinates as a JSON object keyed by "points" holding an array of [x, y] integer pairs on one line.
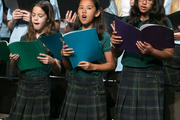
{"points": [[156, 14], [50, 24], [98, 21]]}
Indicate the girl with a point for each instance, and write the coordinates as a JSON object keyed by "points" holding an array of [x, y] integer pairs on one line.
{"points": [[33, 93], [141, 90], [85, 98]]}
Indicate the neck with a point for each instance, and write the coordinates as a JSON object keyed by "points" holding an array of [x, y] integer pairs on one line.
{"points": [[144, 17], [88, 26]]}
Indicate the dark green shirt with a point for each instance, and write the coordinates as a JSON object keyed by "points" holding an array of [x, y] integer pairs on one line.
{"points": [[141, 61], [105, 47]]}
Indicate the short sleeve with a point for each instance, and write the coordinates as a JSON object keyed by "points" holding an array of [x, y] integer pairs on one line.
{"points": [[105, 42]]}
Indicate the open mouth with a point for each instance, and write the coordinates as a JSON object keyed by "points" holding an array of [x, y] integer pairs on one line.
{"points": [[84, 17], [36, 24]]}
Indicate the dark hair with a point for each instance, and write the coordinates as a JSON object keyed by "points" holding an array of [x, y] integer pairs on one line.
{"points": [[50, 24], [156, 14], [98, 21]]}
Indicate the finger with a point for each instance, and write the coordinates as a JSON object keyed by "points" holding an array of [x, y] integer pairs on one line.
{"points": [[146, 44], [67, 14], [43, 55], [74, 17], [113, 27], [139, 45], [114, 32], [68, 52]]}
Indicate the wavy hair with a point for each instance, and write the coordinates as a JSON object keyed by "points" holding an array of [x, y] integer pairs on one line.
{"points": [[156, 14], [50, 22]]}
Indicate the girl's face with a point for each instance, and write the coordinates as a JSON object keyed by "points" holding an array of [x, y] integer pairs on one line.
{"points": [[86, 13], [145, 5], [39, 18]]}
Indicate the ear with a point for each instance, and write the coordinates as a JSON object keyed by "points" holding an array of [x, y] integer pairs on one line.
{"points": [[97, 13]]}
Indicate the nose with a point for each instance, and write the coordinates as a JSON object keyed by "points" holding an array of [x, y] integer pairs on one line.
{"points": [[145, 1], [84, 10], [35, 17]]}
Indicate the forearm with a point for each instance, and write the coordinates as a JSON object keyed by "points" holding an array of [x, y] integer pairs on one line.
{"points": [[14, 66], [66, 63], [11, 24], [56, 67], [103, 67], [116, 51], [163, 54], [108, 65]]}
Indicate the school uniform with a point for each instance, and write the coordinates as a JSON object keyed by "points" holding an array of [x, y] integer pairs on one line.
{"points": [[141, 89], [33, 95], [172, 69], [21, 26], [85, 97]]}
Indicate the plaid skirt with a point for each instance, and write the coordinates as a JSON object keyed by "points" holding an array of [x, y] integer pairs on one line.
{"points": [[85, 99], [172, 70], [32, 99], [140, 94]]}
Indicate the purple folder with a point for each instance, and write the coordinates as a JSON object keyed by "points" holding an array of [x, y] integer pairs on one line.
{"points": [[160, 37]]}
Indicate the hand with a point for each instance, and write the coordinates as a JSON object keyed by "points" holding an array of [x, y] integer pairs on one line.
{"points": [[115, 39], [26, 15], [13, 57], [177, 36], [17, 14], [66, 51], [46, 59], [144, 47], [85, 65], [69, 18]]}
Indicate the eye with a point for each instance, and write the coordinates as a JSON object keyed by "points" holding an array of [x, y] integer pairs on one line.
{"points": [[33, 15], [40, 15], [89, 8], [80, 8]]}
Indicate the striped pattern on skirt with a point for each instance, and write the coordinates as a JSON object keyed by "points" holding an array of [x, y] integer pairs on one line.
{"points": [[172, 70], [32, 99], [85, 99], [140, 94]]}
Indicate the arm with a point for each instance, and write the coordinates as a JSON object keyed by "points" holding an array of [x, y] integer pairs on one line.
{"points": [[177, 36], [55, 63], [146, 48]]}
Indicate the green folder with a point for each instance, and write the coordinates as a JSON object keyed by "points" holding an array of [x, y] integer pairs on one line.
{"points": [[28, 52]]}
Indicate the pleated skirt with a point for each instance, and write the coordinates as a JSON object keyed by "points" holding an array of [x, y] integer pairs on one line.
{"points": [[32, 99], [172, 70], [140, 94], [85, 99]]}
